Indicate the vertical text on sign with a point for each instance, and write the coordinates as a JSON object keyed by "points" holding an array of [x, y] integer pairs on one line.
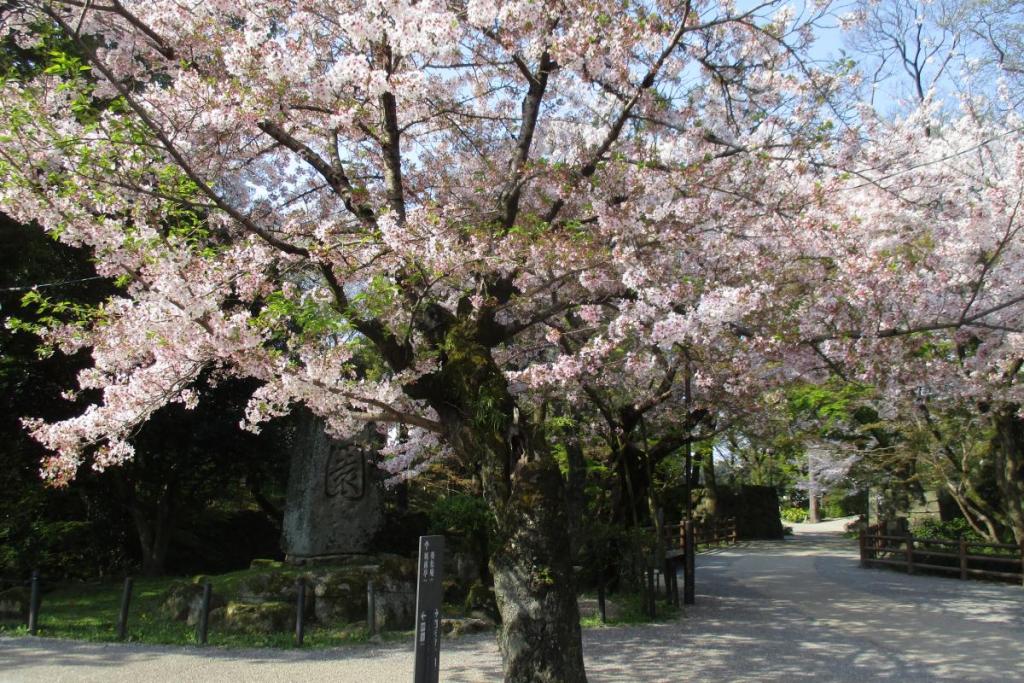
{"points": [[429, 592]]}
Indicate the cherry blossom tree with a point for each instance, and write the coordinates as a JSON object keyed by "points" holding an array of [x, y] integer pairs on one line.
{"points": [[438, 215], [922, 291], [376, 209]]}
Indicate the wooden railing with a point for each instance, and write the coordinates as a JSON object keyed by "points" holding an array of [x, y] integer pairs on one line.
{"points": [[960, 557], [713, 533]]}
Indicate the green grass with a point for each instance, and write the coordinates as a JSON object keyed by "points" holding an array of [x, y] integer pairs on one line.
{"points": [[89, 612], [631, 610]]}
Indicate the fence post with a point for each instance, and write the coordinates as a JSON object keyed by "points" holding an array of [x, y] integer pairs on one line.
{"points": [[910, 553], [650, 593], [300, 611], [689, 550], [863, 541], [371, 608], [33, 604], [122, 617], [963, 557], [204, 612], [600, 601]]}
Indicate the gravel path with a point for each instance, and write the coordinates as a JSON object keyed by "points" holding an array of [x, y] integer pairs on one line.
{"points": [[798, 609]]}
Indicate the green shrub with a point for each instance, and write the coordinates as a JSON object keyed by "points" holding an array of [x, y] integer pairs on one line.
{"points": [[461, 515], [950, 531], [843, 503], [795, 515]]}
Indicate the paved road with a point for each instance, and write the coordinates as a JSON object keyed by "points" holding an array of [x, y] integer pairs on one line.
{"points": [[798, 609]]}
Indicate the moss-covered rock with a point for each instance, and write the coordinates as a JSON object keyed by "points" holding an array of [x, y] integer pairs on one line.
{"points": [[267, 617], [340, 591], [340, 594], [183, 601], [395, 605], [267, 586]]}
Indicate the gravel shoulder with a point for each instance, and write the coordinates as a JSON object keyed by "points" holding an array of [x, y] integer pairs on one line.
{"points": [[799, 609]]}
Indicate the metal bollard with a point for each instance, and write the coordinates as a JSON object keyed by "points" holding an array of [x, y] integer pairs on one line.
{"points": [[33, 604], [204, 613], [300, 611], [371, 608], [122, 618]]}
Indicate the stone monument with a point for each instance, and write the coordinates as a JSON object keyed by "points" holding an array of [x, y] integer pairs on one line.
{"points": [[335, 498]]}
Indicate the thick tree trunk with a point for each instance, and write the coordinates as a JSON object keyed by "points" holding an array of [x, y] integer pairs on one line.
{"points": [[1009, 447], [813, 515], [539, 638]]}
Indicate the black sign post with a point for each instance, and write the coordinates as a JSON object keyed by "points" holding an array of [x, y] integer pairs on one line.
{"points": [[428, 609]]}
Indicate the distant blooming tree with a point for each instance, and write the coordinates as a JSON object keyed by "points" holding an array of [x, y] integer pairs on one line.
{"points": [[827, 467], [924, 276], [439, 214]]}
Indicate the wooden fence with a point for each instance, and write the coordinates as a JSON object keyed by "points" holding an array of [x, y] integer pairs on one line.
{"points": [[713, 533], [961, 557], [709, 534]]}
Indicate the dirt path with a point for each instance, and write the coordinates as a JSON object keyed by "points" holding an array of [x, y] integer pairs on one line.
{"points": [[799, 609]]}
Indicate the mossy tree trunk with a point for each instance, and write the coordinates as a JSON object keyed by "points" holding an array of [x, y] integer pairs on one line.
{"points": [[1009, 449], [539, 637]]}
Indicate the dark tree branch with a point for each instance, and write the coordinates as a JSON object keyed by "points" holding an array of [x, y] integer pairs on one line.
{"points": [[334, 175]]}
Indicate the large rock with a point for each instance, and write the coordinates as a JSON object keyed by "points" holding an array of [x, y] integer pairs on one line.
{"points": [[265, 617], [267, 586], [273, 586], [341, 592], [183, 601], [395, 605], [14, 603], [335, 498]]}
